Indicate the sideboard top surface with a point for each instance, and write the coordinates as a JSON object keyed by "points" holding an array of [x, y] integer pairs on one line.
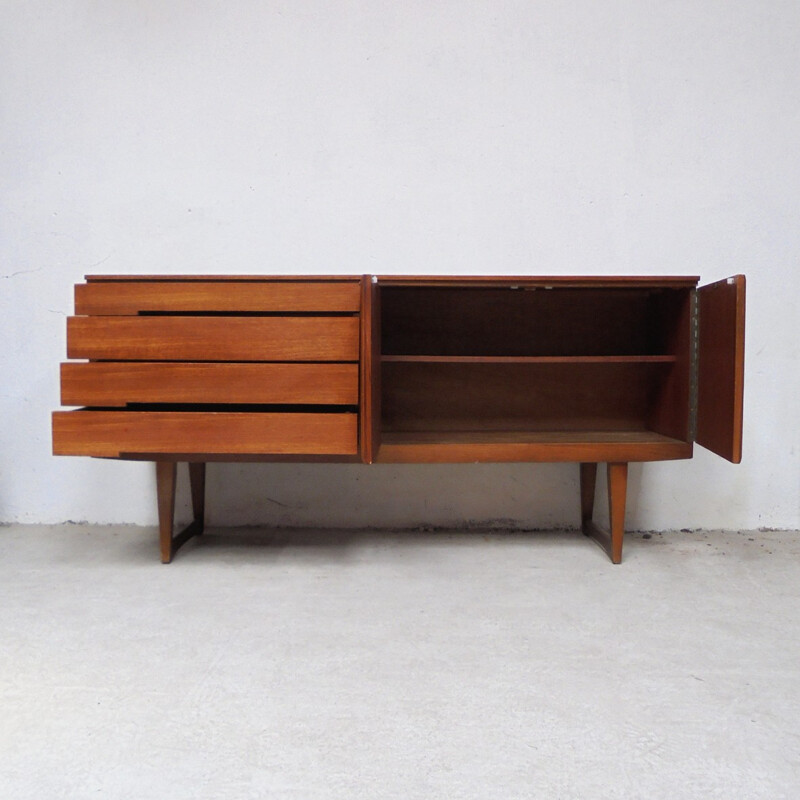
{"points": [[266, 277], [566, 281], [626, 281]]}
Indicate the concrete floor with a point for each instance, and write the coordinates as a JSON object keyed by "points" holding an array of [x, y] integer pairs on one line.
{"points": [[418, 665]]}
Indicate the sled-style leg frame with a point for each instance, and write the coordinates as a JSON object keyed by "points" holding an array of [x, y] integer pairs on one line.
{"points": [[610, 540], [166, 472]]}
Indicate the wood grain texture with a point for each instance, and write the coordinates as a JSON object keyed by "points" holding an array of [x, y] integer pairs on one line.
{"points": [[224, 278], [436, 280], [610, 540], [617, 493], [111, 433], [110, 383], [166, 472], [720, 396], [133, 297], [214, 338], [500, 446]]}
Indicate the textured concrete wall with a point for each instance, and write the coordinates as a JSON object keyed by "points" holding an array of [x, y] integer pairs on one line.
{"points": [[446, 137]]}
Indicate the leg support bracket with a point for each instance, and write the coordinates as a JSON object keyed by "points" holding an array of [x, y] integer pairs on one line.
{"points": [[166, 472], [610, 540]]}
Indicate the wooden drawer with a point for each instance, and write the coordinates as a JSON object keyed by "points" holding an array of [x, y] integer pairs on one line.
{"points": [[194, 338], [113, 433], [133, 297], [117, 383]]}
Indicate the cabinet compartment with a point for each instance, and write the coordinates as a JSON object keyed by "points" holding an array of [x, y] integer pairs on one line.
{"points": [[491, 373], [528, 321], [518, 396]]}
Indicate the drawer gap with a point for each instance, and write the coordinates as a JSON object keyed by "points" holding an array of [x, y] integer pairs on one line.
{"points": [[189, 361], [282, 408], [206, 313]]}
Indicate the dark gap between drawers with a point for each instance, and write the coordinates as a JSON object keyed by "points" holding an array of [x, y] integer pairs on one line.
{"points": [[246, 314], [274, 408]]}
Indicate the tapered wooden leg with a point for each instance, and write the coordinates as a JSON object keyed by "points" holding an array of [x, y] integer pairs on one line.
{"points": [[165, 487], [610, 540], [197, 479], [588, 481], [617, 493]]}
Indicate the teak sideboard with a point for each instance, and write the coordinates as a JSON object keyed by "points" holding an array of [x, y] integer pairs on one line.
{"points": [[405, 370]]}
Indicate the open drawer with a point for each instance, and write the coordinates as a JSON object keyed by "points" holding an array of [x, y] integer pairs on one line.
{"points": [[115, 434], [224, 366]]}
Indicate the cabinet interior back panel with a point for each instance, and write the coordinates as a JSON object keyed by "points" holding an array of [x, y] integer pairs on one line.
{"points": [[446, 397], [524, 322]]}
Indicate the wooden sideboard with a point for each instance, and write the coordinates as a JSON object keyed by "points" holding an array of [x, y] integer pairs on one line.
{"points": [[402, 369]]}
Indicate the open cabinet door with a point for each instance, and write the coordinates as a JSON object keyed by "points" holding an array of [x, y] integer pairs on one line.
{"points": [[720, 373]]}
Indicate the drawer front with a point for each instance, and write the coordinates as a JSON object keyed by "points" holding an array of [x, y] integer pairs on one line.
{"points": [[115, 384], [133, 297], [114, 433], [197, 338]]}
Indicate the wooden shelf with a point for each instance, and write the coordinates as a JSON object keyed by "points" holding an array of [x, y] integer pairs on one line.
{"points": [[514, 445], [444, 359], [517, 436]]}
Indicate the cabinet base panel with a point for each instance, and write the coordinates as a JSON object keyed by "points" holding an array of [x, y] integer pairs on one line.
{"points": [[548, 446]]}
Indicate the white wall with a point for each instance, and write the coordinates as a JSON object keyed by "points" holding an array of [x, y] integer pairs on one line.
{"points": [[566, 136]]}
